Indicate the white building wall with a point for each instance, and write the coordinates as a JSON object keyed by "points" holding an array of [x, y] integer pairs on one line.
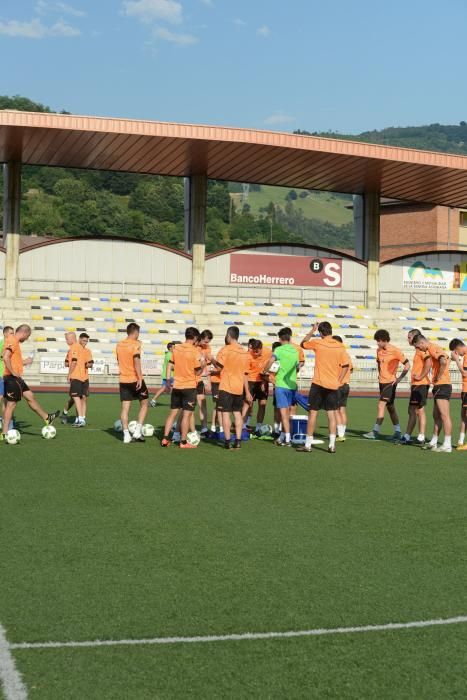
{"points": [[218, 284], [107, 266]]}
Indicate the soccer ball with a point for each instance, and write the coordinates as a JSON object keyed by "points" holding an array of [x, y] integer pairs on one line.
{"points": [[132, 426], [118, 426], [193, 438], [266, 430], [13, 437], [274, 368], [148, 430], [49, 432]]}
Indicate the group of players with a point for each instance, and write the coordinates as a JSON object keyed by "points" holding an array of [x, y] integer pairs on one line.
{"points": [[239, 377], [430, 366]]}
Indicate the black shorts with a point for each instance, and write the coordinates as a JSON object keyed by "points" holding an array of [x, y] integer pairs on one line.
{"points": [[184, 399], [79, 388], [14, 388], [129, 392], [215, 390], [344, 391], [200, 389], [464, 399], [230, 403], [418, 395], [259, 390], [387, 393], [322, 398], [442, 391]]}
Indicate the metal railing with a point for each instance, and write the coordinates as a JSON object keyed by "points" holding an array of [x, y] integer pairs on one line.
{"points": [[87, 288], [413, 299], [299, 295]]}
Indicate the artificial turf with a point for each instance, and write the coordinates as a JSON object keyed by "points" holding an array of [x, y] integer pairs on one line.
{"points": [[105, 541]]}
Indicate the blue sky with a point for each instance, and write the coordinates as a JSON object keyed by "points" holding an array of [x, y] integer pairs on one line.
{"points": [[270, 64]]}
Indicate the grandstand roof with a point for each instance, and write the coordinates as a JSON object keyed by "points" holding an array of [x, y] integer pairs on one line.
{"points": [[243, 155]]}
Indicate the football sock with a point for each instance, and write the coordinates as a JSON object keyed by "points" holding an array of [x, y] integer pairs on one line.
{"points": [[376, 428], [341, 430], [332, 440], [287, 437], [258, 426], [65, 413], [126, 433], [213, 428], [407, 437], [461, 438], [282, 436], [397, 428], [308, 440], [434, 441], [421, 437], [447, 441]]}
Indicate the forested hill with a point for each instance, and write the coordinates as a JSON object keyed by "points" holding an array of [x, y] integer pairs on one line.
{"points": [[448, 138], [63, 202]]}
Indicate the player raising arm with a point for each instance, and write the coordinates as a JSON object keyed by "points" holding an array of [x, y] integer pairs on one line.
{"points": [[459, 356], [331, 367]]}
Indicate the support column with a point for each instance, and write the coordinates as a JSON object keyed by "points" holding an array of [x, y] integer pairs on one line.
{"points": [[372, 246], [11, 224], [195, 232]]}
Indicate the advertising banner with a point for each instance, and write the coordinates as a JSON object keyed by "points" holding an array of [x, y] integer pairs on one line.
{"points": [[285, 270], [55, 366], [421, 276]]}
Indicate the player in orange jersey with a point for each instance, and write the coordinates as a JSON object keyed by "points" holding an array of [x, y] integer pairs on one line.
{"points": [[344, 390], [232, 360], [258, 383], [330, 369], [70, 339], [79, 361], [187, 363], [15, 387], [205, 350], [419, 385], [459, 356], [7, 330], [388, 359], [442, 390], [132, 384], [88, 364]]}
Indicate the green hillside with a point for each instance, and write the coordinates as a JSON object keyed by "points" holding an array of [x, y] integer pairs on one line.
{"points": [[324, 206], [447, 138]]}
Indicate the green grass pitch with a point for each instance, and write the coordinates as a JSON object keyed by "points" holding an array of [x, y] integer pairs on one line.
{"points": [[105, 541]]}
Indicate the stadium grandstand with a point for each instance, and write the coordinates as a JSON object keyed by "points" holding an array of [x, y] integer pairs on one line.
{"points": [[99, 286]]}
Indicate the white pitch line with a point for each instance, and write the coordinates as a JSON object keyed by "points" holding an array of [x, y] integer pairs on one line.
{"points": [[10, 677], [245, 636]]}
